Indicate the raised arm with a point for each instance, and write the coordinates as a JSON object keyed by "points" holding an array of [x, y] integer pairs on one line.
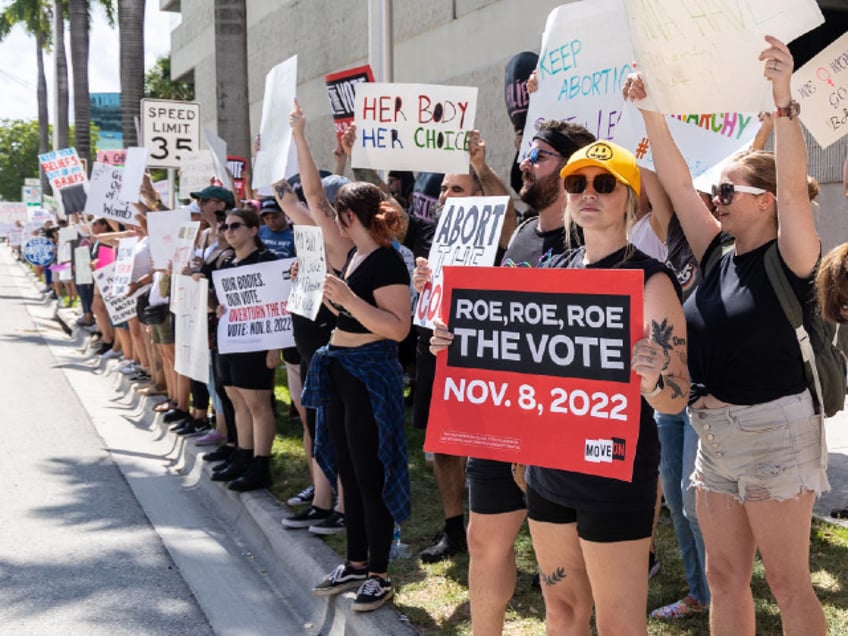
{"points": [[322, 212], [698, 223], [797, 239], [491, 183]]}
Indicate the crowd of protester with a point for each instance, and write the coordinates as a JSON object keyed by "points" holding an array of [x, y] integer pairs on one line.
{"points": [[739, 468]]}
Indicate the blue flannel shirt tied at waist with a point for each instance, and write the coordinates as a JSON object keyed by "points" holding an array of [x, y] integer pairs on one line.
{"points": [[376, 366]]}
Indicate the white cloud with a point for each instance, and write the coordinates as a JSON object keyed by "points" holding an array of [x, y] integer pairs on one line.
{"points": [[19, 70]]}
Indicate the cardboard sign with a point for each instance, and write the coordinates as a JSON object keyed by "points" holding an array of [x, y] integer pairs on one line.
{"points": [[821, 88], [703, 57], [218, 148], [307, 292], [112, 157], [580, 77], [196, 170], [467, 233], [103, 199], [123, 270], [255, 298], [271, 163], [120, 308], [421, 127], [169, 128], [180, 294], [191, 342], [82, 266], [162, 228], [66, 236], [66, 175], [540, 376], [184, 246], [341, 91], [133, 175]]}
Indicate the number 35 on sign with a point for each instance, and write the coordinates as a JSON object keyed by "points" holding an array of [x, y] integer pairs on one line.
{"points": [[169, 129]]}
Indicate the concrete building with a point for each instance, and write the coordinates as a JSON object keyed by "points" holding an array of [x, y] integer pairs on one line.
{"points": [[459, 42]]}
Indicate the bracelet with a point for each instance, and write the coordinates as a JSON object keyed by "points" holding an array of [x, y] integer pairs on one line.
{"points": [[656, 390]]}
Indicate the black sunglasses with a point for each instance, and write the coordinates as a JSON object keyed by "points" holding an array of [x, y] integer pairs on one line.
{"points": [[603, 183], [725, 191], [231, 226]]}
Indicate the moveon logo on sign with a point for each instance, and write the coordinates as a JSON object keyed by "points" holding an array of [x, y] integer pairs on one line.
{"points": [[604, 450]]}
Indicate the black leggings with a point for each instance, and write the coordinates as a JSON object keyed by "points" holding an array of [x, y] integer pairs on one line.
{"points": [[226, 403], [353, 434], [199, 395]]}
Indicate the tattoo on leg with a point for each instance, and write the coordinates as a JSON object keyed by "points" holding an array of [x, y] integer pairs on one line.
{"points": [[553, 578]]}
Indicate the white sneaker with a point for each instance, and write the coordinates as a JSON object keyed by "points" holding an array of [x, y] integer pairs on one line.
{"points": [[111, 355]]}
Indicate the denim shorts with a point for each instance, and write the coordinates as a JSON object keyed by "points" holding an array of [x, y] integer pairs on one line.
{"points": [[761, 452]]}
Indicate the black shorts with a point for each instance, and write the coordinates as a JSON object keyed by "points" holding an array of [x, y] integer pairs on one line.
{"points": [[491, 488], [425, 374], [599, 527], [245, 371]]}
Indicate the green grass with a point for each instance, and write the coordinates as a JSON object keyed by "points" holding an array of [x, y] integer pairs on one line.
{"points": [[435, 597]]}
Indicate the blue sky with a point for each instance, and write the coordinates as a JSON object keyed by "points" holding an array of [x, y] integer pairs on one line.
{"points": [[18, 70]]}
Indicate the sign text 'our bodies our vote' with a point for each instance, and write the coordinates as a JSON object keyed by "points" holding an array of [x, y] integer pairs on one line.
{"points": [[256, 298], [413, 126], [540, 376]]}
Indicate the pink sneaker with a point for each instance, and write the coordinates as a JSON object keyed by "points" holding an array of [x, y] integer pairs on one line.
{"points": [[212, 438]]}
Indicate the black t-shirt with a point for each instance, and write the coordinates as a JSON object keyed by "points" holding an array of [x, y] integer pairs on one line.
{"points": [[529, 247], [602, 494], [742, 349], [259, 255], [381, 268]]}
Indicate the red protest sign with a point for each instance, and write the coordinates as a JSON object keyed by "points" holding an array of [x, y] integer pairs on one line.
{"points": [[341, 88], [236, 166], [539, 370]]}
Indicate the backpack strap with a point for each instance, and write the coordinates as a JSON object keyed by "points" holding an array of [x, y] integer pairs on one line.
{"points": [[792, 310]]}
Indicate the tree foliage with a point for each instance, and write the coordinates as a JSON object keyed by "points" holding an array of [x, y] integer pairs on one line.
{"points": [[158, 83], [19, 154]]}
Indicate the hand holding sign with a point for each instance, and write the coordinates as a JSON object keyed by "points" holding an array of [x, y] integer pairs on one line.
{"points": [[297, 120], [778, 70]]}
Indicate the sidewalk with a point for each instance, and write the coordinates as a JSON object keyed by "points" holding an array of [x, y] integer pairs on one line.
{"points": [[253, 516]]}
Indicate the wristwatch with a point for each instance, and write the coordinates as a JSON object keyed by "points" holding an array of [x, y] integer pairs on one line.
{"points": [[791, 111], [657, 389]]}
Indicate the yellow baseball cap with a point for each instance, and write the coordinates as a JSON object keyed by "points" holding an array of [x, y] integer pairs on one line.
{"points": [[611, 157]]}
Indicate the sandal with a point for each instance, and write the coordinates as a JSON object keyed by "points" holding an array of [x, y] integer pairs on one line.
{"points": [[683, 608], [164, 405]]}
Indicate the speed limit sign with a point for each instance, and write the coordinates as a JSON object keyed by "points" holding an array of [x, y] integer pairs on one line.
{"points": [[169, 129]]}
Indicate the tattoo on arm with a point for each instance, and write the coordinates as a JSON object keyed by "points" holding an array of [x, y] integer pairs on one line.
{"points": [[676, 390], [661, 333], [554, 577], [282, 189]]}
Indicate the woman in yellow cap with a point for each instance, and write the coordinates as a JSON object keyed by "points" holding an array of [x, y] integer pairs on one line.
{"points": [[592, 534]]}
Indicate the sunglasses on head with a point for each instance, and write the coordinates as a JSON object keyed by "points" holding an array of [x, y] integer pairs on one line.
{"points": [[725, 191], [231, 226], [535, 155], [603, 183]]}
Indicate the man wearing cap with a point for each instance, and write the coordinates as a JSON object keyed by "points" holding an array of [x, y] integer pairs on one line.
{"points": [[275, 231]]}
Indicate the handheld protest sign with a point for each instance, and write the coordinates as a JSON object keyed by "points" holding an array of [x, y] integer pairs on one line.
{"points": [[255, 297], [422, 127], [307, 292], [66, 174], [103, 195], [39, 251], [821, 89], [191, 343], [341, 91], [467, 233], [273, 158], [540, 376]]}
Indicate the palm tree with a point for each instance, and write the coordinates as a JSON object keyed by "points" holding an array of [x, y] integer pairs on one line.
{"points": [[34, 16], [80, 21], [62, 138], [131, 35]]}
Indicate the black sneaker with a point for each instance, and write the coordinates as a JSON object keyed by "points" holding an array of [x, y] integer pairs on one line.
{"points": [[305, 496], [373, 594], [180, 425], [444, 547], [220, 454], [307, 518], [331, 525], [174, 415], [344, 577], [192, 427]]}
